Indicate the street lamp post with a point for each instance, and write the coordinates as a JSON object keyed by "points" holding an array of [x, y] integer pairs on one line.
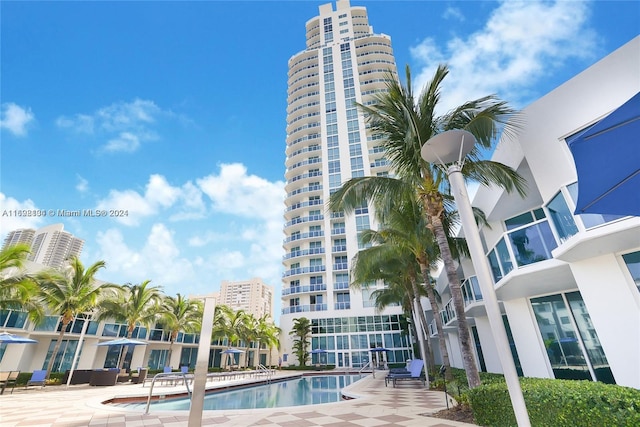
{"points": [[449, 150]]}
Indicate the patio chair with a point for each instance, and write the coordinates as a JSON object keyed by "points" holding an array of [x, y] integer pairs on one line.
{"points": [[38, 377], [4, 377], [415, 373], [139, 377], [11, 381], [184, 369], [167, 369]]}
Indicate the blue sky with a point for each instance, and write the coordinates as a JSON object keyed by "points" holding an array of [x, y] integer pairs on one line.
{"points": [[175, 112]]}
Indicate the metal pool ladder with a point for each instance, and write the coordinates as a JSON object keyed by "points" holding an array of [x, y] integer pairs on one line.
{"points": [[172, 375]]}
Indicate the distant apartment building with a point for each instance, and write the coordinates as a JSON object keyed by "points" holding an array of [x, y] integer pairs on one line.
{"points": [[50, 246], [327, 143], [253, 296]]}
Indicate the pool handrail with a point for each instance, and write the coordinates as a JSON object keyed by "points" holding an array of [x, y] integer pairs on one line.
{"points": [[167, 375]]}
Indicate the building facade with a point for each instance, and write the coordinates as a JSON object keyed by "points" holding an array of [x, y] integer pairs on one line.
{"points": [[253, 296], [328, 143], [50, 246], [568, 284]]}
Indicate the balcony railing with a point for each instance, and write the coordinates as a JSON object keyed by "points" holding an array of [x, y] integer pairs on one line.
{"points": [[304, 308], [295, 254], [342, 305], [303, 270], [303, 289]]}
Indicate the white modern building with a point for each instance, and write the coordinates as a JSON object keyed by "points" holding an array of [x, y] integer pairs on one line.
{"points": [[50, 246], [344, 62], [568, 284]]}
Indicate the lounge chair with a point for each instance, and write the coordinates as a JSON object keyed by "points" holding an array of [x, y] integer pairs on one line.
{"points": [[11, 381], [4, 378], [38, 377], [415, 373], [139, 377]]}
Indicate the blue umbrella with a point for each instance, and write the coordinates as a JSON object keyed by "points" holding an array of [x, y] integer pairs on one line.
{"points": [[607, 158], [232, 351], [378, 349], [318, 351], [122, 341], [7, 338]]}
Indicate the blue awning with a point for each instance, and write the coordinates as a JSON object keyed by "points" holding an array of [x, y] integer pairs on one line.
{"points": [[607, 158]]}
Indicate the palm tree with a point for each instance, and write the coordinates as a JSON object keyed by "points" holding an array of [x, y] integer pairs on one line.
{"points": [[17, 289], [404, 226], [302, 331], [405, 125], [398, 268], [134, 305], [179, 314], [267, 333], [70, 293]]}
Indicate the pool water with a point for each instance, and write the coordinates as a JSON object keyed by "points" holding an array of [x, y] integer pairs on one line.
{"points": [[306, 390]]}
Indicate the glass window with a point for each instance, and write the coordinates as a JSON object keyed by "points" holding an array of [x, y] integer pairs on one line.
{"points": [[633, 264], [532, 244], [590, 220], [561, 217], [518, 221], [564, 343]]}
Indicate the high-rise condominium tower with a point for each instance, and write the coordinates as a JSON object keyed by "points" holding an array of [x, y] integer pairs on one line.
{"points": [[344, 63], [50, 245], [252, 296]]}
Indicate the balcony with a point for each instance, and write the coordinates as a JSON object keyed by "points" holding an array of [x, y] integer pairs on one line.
{"points": [[303, 289], [296, 254], [303, 270], [304, 308], [342, 305]]}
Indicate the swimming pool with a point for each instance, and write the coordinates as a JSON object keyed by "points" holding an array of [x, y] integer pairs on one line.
{"points": [[306, 390]]}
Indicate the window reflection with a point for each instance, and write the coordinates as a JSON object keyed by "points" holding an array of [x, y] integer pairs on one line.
{"points": [[564, 344]]}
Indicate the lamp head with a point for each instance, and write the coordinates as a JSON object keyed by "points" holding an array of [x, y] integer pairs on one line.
{"points": [[448, 147]]}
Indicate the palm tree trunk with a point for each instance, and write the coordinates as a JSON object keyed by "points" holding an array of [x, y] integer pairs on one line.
{"points": [[56, 347], [426, 346], [464, 337], [436, 316]]}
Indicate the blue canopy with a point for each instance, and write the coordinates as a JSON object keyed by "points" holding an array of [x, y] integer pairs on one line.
{"points": [[607, 158], [7, 338]]}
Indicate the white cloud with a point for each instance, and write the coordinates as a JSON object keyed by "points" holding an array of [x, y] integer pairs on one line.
{"points": [[124, 125], [521, 43], [83, 185], [126, 141], [14, 214], [15, 118], [158, 260], [453, 12], [158, 194], [235, 192]]}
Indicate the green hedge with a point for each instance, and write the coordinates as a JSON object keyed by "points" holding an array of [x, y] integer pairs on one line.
{"points": [[558, 403]]}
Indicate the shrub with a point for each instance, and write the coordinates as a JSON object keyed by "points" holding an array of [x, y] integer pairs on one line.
{"points": [[558, 403]]}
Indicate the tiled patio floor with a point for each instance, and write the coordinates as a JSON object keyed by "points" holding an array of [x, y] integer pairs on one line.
{"points": [[377, 405]]}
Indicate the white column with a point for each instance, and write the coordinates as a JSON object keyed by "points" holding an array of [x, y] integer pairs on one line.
{"points": [[202, 364]]}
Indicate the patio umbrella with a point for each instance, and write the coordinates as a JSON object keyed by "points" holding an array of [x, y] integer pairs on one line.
{"points": [[122, 341], [378, 349], [607, 158], [7, 338], [231, 351]]}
